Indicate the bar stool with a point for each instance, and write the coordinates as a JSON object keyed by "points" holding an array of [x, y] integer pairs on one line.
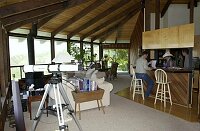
{"points": [[137, 85], [161, 80]]}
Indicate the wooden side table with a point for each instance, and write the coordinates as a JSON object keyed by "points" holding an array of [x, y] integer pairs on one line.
{"points": [[80, 97]]}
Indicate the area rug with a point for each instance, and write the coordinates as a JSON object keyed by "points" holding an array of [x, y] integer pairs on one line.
{"points": [[175, 110]]}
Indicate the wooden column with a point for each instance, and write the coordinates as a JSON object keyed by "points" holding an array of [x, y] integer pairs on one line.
{"points": [[3, 69], [92, 51], [157, 15], [81, 50], [30, 45], [147, 16], [100, 51], [68, 46], [190, 52], [191, 11], [52, 48]]}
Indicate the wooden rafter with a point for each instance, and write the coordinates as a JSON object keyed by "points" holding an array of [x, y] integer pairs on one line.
{"points": [[24, 6], [81, 14], [29, 20], [98, 17], [108, 22], [107, 32], [44, 20], [33, 13], [165, 7]]}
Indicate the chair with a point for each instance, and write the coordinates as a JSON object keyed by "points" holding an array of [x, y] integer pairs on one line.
{"points": [[137, 85], [161, 80], [112, 72]]}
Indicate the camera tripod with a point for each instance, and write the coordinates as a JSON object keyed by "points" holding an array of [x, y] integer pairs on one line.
{"points": [[59, 91]]}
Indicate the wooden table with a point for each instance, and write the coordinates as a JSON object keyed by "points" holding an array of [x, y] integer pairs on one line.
{"points": [[80, 97]]}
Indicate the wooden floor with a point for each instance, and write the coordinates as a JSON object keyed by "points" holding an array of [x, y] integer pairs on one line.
{"points": [[189, 114]]}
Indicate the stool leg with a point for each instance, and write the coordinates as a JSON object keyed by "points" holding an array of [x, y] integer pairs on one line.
{"points": [[75, 108], [162, 86], [164, 96], [131, 85], [157, 93], [170, 98], [142, 90]]}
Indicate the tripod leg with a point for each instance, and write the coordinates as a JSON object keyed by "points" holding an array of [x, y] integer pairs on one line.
{"points": [[69, 107], [59, 109], [39, 112]]}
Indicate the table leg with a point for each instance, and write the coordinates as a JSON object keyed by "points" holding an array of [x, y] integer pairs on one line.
{"points": [[102, 106], [98, 104], [75, 108]]}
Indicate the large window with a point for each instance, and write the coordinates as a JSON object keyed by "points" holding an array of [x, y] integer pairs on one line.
{"points": [[18, 54], [42, 51]]}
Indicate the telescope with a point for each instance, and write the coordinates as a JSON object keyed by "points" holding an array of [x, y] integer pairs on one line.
{"points": [[51, 68]]}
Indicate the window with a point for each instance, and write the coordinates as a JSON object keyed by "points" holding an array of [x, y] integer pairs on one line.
{"points": [[18, 51], [96, 52], [42, 51], [60, 47], [18, 55]]}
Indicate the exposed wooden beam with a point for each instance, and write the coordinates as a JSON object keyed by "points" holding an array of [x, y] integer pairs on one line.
{"points": [[29, 5], [157, 17], [33, 13], [99, 16], [113, 28], [147, 16], [113, 19], [30, 20], [24, 6], [165, 8], [191, 11], [44, 20], [82, 13]]}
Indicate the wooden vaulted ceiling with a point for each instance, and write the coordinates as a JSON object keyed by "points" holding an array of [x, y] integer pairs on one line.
{"points": [[94, 19]]}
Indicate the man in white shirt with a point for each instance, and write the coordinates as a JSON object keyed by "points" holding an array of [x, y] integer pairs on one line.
{"points": [[185, 53], [141, 68]]}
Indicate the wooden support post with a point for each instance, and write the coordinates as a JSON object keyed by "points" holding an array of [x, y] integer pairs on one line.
{"points": [[157, 18], [92, 52], [68, 46], [191, 11], [52, 48]]}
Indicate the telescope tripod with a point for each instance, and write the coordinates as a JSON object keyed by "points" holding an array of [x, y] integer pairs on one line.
{"points": [[59, 91]]}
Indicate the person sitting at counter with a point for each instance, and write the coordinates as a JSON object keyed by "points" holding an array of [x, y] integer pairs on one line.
{"points": [[185, 53], [168, 60], [141, 67]]}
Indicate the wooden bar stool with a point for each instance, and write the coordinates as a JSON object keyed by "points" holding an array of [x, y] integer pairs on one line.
{"points": [[163, 87], [137, 85]]}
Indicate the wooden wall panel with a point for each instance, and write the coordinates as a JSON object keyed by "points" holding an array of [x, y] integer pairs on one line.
{"points": [[196, 49], [174, 37], [186, 35]]}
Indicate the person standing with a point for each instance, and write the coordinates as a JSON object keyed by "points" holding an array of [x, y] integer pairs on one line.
{"points": [[185, 53], [141, 68]]}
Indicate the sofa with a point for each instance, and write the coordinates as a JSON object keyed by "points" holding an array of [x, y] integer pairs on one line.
{"points": [[91, 104]]}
